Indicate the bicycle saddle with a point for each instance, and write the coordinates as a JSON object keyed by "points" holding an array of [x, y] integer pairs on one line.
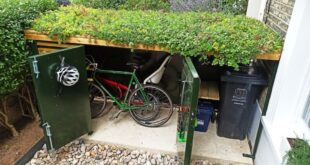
{"points": [[133, 65]]}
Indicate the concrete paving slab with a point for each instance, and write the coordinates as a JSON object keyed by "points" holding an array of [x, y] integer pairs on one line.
{"points": [[227, 151], [124, 131]]}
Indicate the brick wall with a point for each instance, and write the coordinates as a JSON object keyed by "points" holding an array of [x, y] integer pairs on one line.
{"points": [[278, 14]]}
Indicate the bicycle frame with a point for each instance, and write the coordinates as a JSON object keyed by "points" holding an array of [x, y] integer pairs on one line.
{"points": [[120, 87], [133, 81]]}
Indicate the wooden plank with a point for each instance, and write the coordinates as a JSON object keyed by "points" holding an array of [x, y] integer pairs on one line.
{"points": [[53, 44], [88, 40], [209, 90], [32, 35], [43, 50], [270, 56]]}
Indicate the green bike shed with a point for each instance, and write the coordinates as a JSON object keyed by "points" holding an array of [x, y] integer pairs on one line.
{"points": [[62, 109]]}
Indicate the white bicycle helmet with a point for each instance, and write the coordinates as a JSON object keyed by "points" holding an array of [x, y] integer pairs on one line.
{"points": [[68, 75]]}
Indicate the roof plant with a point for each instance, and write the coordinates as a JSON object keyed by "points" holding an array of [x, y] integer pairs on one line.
{"points": [[232, 40], [15, 15]]}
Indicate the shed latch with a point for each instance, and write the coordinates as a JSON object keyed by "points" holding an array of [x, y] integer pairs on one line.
{"points": [[49, 135], [35, 67]]}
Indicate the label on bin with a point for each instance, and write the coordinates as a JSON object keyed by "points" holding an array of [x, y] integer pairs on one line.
{"points": [[239, 97], [200, 122]]}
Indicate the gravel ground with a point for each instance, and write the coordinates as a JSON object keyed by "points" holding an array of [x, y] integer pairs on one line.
{"points": [[80, 153]]}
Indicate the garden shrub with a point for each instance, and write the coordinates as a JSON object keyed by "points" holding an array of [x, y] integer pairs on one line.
{"points": [[63, 2], [234, 6], [194, 5], [15, 15], [146, 5], [230, 39], [299, 154], [227, 6], [99, 4], [125, 4]]}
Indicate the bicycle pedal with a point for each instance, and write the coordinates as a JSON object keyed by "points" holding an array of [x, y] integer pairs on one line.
{"points": [[115, 114]]}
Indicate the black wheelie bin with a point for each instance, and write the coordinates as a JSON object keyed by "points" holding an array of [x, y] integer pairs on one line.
{"points": [[238, 92]]}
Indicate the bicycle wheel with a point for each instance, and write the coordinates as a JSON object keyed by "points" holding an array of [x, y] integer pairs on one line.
{"points": [[98, 100], [155, 111]]}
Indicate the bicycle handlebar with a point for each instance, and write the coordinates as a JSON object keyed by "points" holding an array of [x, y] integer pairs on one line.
{"points": [[94, 65], [134, 65]]}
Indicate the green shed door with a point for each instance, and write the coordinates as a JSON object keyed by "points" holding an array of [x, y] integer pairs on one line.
{"points": [[188, 109], [64, 110]]}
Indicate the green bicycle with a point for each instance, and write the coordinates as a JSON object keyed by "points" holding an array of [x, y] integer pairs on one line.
{"points": [[149, 105]]}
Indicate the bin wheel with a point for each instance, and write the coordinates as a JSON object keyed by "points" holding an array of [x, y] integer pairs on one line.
{"points": [[213, 117]]}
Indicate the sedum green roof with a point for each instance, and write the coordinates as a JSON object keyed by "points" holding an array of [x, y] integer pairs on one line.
{"points": [[230, 39]]}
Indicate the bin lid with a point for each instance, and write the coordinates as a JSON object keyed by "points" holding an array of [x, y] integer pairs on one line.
{"points": [[205, 107], [246, 75]]}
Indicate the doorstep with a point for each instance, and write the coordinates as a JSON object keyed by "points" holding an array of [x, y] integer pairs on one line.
{"points": [[222, 150]]}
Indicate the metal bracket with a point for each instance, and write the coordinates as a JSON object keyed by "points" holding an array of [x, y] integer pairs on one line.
{"points": [[182, 93], [62, 63], [49, 135], [192, 115], [248, 155], [35, 67], [183, 89]]}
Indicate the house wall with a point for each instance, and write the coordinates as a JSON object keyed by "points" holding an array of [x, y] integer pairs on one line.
{"points": [[252, 134], [256, 9], [265, 152], [287, 100], [278, 14]]}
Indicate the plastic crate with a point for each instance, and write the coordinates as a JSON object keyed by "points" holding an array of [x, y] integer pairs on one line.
{"points": [[205, 111]]}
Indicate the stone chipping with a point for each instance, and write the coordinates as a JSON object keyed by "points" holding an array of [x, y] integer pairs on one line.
{"points": [[81, 153]]}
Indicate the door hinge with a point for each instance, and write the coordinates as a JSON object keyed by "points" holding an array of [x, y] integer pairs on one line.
{"points": [[49, 135], [35, 67]]}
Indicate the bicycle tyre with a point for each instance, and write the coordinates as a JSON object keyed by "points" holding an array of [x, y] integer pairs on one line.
{"points": [[98, 101], [162, 100], [151, 114]]}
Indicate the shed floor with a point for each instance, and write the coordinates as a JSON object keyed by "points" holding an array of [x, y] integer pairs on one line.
{"points": [[125, 132]]}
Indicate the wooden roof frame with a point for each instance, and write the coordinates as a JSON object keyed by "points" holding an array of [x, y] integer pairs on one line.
{"points": [[81, 40]]}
